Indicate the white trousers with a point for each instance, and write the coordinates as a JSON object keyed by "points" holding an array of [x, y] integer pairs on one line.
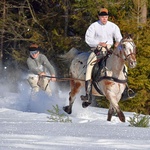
{"points": [[92, 59], [90, 64], [39, 83]]}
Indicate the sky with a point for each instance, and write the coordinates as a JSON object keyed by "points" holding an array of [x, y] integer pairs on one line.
{"points": [[25, 124]]}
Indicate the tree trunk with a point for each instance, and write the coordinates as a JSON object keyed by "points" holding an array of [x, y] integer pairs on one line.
{"points": [[66, 4], [2, 34], [143, 17]]}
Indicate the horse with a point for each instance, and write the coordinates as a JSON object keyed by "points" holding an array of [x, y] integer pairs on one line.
{"points": [[112, 80]]}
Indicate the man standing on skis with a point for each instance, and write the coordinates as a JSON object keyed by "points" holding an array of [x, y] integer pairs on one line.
{"points": [[39, 66]]}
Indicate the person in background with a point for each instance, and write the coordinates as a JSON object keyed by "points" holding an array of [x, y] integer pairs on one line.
{"points": [[101, 36], [39, 66]]}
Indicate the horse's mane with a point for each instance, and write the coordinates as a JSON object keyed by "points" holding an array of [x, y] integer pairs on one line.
{"points": [[69, 55]]}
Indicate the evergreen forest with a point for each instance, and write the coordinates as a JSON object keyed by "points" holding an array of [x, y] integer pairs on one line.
{"points": [[58, 25]]}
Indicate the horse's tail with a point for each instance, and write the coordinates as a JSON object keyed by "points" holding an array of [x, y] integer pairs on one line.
{"points": [[69, 55]]}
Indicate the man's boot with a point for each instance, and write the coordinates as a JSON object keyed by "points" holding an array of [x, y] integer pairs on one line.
{"points": [[87, 98], [128, 93]]}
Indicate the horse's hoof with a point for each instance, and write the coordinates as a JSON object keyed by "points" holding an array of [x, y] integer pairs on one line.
{"points": [[109, 117], [84, 98], [121, 116], [85, 104], [67, 109]]}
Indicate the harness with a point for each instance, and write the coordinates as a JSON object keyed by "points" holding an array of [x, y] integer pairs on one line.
{"points": [[99, 67]]}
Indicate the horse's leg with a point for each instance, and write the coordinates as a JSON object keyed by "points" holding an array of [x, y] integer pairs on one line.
{"points": [[118, 110], [68, 109], [119, 113], [114, 99], [110, 113], [75, 87]]}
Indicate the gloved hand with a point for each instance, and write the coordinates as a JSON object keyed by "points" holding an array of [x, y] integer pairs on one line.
{"points": [[42, 74], [97, 50], [53, 78]]}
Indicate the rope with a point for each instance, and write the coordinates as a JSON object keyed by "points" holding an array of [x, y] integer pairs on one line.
{"points": [[63, 78]]}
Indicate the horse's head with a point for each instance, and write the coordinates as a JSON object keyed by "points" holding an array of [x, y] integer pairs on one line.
{"points": [[127, 51]]}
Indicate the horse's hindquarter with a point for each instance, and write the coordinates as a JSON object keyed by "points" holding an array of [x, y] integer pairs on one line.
{"points": [[78, 66]]}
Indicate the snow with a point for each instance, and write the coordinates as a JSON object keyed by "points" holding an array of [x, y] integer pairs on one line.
{"points": [[24, 125]]}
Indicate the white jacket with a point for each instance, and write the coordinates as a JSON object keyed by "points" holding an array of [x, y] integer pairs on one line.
{"points": [[97, 32]]}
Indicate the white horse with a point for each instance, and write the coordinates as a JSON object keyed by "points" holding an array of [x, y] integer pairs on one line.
{"points": [[112, 81]]}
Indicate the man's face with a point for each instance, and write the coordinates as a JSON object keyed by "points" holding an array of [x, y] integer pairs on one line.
{"points": [[34, 54], [103, 19]]}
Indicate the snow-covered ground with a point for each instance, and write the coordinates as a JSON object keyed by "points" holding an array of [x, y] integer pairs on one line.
{"points": [[24, 125]]}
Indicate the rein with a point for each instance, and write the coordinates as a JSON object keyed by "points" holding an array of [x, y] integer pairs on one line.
{"points": [[62, 78], [125, 56]]}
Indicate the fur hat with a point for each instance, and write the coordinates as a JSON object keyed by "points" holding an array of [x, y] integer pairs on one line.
{"points": [[103, 12], [33, 47]]}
